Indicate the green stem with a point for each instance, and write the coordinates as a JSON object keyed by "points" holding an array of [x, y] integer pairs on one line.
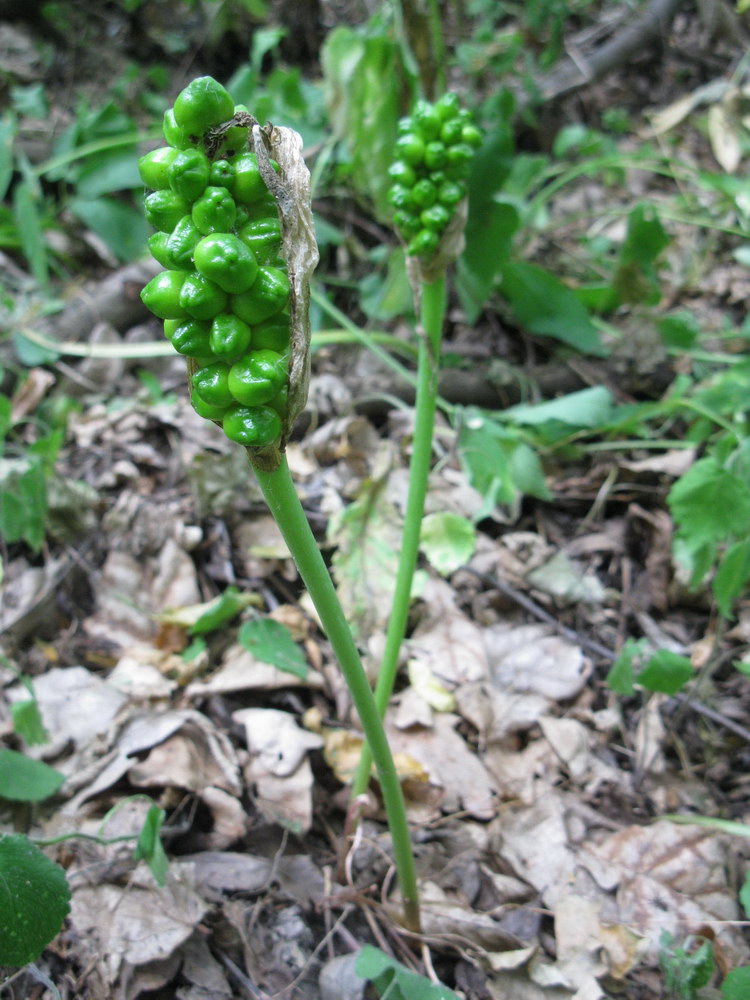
{"points": [[283, 502], [432, 315]]}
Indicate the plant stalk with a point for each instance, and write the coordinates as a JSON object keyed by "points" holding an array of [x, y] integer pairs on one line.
{"points": [[283, 502], [432, 316]]}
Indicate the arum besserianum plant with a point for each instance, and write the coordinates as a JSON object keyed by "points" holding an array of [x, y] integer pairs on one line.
{"points": [[230, 203], [433, 156]]}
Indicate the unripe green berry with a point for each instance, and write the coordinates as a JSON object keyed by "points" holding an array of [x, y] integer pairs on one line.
{"points": [[164, 209], [225, 259], [203, 104], [257, 377], [162, 295], [410, 149], [401, 173], [211, 384], [188, 173], [253, 426], [192, 338], [202, 298], [215, 211], [154, 167], [424, 193], [230, 337], [268, 296]]}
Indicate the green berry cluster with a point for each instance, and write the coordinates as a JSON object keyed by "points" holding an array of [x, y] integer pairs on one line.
{"points": [[224, 296], [433, 153]]}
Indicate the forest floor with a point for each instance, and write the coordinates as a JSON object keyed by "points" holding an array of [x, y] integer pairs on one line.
{"points": [[534, 791]]}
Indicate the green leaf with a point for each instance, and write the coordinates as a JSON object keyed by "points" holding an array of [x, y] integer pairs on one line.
{"points": [[484, 449], [23, 501], [29, 225], [709, 505], [149, 846], [28, 722], [219, 611], [679, 330], [25, 780], [448, 540], [115, 170], [34, 900], [636, 277], [272, 642], [399, 983], [621, 676], [7, 135], [732, 576], [666, 672], [363, 108], [583, 409], [544, 305], [745, 895], [489, 237], [120, 225], [736, 985]]}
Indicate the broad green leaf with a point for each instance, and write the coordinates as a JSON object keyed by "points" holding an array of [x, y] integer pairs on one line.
{"points": [[448, 540], [7, 135], [679, 329], [527, 473], [394, 981], [709, 505], [583, 409], [221, 610], [544, 305], [149, 846], [745, 896], [29, 224], [732, 576], [363, 103], [28, 722], [621, 675], [23, 501], [489, 236], [272, 642], [484, 454], [666, 672], [635, 276], [736, 985], [25, 780], [117, 170], [120, 225], [34, 900]]}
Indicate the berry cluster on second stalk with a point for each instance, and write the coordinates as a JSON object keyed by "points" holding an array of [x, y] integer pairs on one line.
{"points": [[224, 296], [433, 154]]}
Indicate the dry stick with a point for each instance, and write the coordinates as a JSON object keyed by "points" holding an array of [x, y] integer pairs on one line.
{"points": [[571, 76]]}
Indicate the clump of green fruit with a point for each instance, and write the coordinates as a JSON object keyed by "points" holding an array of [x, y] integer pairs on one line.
{"points": [[225, 294], [434, 151]]}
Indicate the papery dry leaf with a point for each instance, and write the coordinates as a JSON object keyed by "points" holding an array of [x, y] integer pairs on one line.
{"points": [[450, 763], [197, 756], [241, 671], [535, 842], [528, 659], [76, 705], [724, 135], [276, 742], [447, 644], [230, 821], [137, 925], [203, 971], [287, 800], [670, 878], [444, 914], [497, 714]]}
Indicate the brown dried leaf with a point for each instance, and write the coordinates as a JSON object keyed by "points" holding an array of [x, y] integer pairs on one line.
{"points": [[671, 878]]}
